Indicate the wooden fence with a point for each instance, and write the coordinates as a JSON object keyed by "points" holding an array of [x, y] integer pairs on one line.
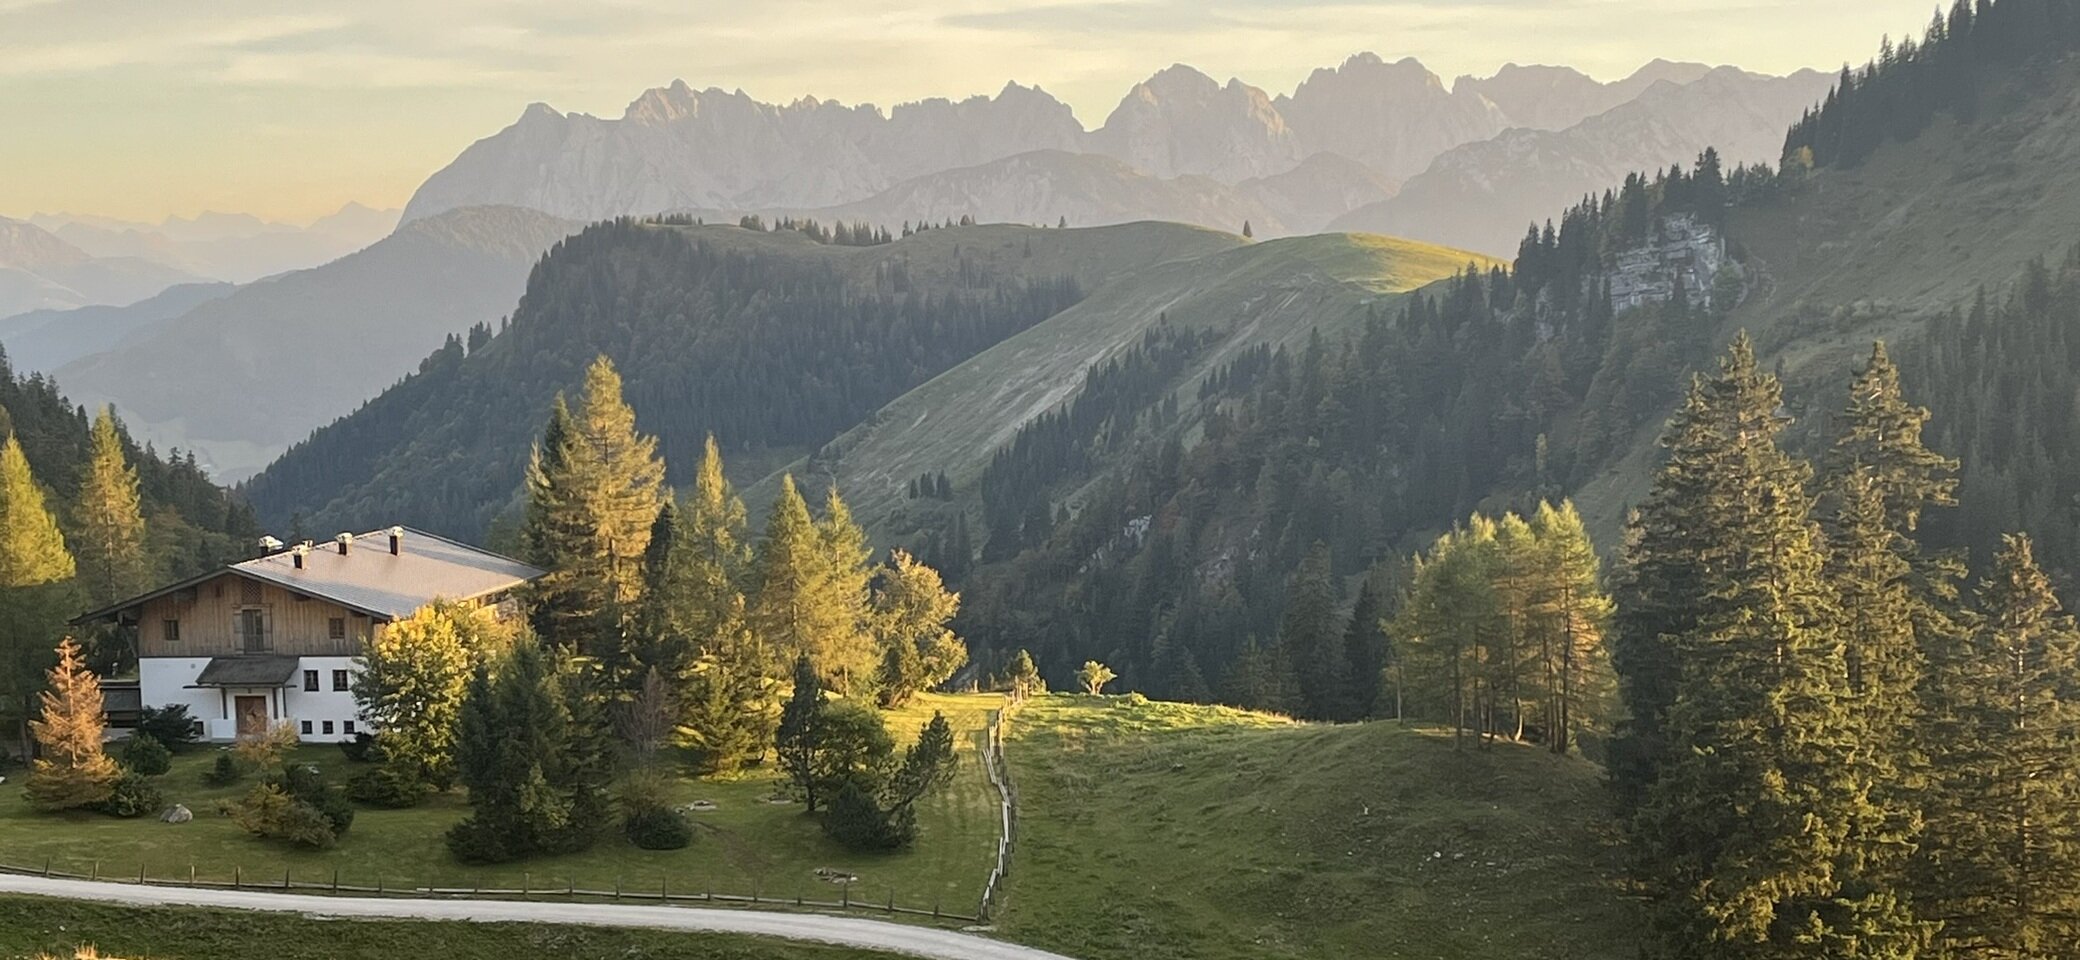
{"points": [[1007, 802], [569, 890]]}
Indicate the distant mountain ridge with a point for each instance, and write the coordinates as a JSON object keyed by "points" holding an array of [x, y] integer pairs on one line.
{"points": [[678, 148], [39, 270], [236, 247]]}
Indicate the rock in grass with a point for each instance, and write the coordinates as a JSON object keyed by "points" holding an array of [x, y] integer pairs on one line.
{"points": [[178, 813]]}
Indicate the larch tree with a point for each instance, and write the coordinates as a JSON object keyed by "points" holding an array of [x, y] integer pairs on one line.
{"points": [[36, 573], [2001, 857], [410, 685], [109, 518], [1570, 618], [850, 650], [910, 614], [72, 771], [1748, 835], [594, 487]]}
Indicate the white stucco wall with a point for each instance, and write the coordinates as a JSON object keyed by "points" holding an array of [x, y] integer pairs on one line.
{"points": [[169, 680]]}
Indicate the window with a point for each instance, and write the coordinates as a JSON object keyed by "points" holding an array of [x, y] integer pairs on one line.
{"points": [[310, 681], [170, 630], [328, 728], [347, 727], [306, 728], [336, 628], [339, 681]]}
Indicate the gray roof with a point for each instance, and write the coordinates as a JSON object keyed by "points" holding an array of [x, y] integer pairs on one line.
{"points": [[370, 579], [247, 670]]}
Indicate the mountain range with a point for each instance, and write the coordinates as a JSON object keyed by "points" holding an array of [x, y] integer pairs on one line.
{"points": [[1220, 154], [41, 271], [238, 378], [233, 247]]}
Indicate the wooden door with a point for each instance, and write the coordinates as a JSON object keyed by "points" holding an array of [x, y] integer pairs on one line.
{"points": [[252, 716]]}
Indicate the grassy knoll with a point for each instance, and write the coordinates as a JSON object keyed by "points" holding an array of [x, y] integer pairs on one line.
{"points": [[1156, 831], [746, 841], [37, 926]]}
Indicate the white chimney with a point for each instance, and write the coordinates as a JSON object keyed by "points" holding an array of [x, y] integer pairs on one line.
{"points": [[344, 540], [297, 554], [396, 541], [269, 546]]}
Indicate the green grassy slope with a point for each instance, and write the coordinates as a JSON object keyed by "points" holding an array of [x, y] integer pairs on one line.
{"points": [[746, 843], [35, 926], [1274, 292], [1158, 831]]}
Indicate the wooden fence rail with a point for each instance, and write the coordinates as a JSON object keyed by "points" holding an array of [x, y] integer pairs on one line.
{"points": [[1007, 803]]}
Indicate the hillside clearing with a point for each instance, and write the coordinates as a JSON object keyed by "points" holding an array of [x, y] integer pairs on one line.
{"points": [[1157, 830]]}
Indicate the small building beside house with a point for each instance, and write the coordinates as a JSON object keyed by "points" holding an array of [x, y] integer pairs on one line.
{"points": [[274, 638]]}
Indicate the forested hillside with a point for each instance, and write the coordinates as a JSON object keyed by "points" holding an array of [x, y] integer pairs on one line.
{"points": [[774, 340]]}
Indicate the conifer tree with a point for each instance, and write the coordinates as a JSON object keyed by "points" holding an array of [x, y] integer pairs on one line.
{"points": [[532, 753], [728, 710], [849, 654], [1365, 646], [110, 546], [910, 613], [1570, 617], [801, 734], [2002, 850], [1262, 678], [72, 771], [594, 490], [35, 587], [1748, 833], [812, 589], [1313, 636], [410, 685]]}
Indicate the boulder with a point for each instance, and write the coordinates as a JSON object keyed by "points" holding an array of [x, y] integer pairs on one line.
{"points": [[177, 813]]}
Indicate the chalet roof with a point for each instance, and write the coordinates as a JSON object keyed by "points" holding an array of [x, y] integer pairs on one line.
{"points": [[369, 578], [247, 670]]}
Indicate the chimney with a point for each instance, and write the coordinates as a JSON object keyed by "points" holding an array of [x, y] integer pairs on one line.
{"points": [[344, 540], [396, 541], [269, 546], [296, 555]]}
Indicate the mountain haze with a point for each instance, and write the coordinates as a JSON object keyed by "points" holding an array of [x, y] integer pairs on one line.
{"points": [[240, 378]]}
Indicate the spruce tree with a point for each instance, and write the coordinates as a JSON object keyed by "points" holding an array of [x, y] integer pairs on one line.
{"points": [[110, 546], [533, 752], [801, 736], [1748, 835], [1312, 636], [594, 490], [727, 700], [2001, 857], [72, 771], [1365, 646]]}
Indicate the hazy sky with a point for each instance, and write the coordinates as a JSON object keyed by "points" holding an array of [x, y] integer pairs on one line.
{"points": [[141, 108]]}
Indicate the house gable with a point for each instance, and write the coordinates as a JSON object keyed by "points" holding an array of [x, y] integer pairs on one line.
{"points": [[230, 613]]}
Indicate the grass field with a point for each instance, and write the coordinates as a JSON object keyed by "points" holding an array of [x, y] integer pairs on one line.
{"points": [[36, 926], [1153, 831], [747, 842]]}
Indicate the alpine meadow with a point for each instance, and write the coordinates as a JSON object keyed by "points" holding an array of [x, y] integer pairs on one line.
{"points": [[1596, 512]]}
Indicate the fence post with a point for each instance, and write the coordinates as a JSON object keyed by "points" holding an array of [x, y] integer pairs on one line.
{"points": [[525, 877], [845, 894], [335, 881], [285, 877], [617, 888], [191, 874], [664, 889], [571, 887], [237, 876], [96, 875], [46, 865], [140, 873]]}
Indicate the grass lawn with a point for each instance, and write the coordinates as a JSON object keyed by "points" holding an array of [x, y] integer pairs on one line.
{"points": [[37, 925], [1157, 831], [746, 842]]}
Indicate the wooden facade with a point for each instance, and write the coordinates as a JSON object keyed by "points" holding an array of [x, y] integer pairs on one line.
{"points": [[232, 614]]}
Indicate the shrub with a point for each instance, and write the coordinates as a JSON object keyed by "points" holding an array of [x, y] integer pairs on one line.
{"points": [[225, 771], [856, 820], [475, 841], [657, 828], [147, 756], [171, 725], [296, 805], [361, 749], [133, 796], [386, 786], [647, 816], [264, 750]]}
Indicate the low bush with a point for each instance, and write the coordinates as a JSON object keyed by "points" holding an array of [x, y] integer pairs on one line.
{"points": [[361, 749], [857, 821], [145, 755], [225, 771], [386, 787], [471, 841], [657, 828], [298, 806], [134, 796], [171, 725]]}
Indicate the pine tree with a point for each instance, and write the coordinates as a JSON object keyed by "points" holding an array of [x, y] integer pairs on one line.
{"points": [[35, 587], [1313, 636], [2002, 851], [801, 734], [72, 771], [594, 490], [1365, 646], [1748, 834], [110, 547]]}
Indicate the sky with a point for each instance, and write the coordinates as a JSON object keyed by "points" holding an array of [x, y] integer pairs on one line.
{"points": [[141, 109]]}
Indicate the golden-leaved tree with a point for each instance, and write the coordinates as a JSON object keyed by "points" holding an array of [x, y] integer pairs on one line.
{"points": [[73, 771]]}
